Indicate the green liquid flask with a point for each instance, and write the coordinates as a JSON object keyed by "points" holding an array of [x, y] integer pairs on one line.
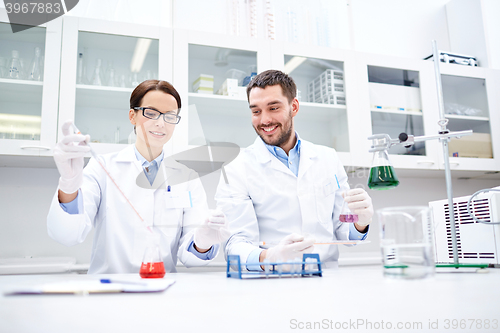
{"points": [[382, 175]]}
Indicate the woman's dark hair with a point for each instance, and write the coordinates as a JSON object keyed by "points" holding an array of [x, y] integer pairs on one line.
{"points": [[271, 78], [143, 88]]}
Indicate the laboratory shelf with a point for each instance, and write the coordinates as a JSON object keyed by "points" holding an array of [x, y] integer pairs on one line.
{"points": [[471, 118], [220, 105], [412, 113], [102, 97], [218, 119], [21, 91], [462, 123]]}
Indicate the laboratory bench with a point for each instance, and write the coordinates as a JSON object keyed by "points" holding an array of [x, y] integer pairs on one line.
{"points": [[355, 298]]}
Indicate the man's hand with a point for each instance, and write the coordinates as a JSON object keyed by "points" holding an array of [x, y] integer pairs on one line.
{"points": [[360, 203], [289, 248]]}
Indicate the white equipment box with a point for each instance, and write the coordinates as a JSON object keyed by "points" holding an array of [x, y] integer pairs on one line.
{"points": [[478, 243]]}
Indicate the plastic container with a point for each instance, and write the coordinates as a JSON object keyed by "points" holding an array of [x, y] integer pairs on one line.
{"points": [[236, 74]]}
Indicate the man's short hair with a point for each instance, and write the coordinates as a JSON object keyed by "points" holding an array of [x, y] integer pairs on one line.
{"points": [[271, 78]]}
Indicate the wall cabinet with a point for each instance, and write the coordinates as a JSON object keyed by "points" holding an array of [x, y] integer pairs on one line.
{"points": [[98, 75], [222, 63], [326, 88], [28, 103], [345, 96], [472, 102]]}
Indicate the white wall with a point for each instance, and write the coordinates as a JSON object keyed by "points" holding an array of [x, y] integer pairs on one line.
{"points": [[399, 28], [491, 12], [25, 196]]}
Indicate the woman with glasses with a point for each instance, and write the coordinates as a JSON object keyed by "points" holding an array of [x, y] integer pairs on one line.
{"points": [[145, 193]]}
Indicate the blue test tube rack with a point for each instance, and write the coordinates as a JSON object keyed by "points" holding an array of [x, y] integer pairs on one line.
{"points": [[274, 269]]}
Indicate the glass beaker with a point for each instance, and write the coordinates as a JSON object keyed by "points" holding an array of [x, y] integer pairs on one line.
{"points": [[152, 264], [406, 242], [382, 175]]}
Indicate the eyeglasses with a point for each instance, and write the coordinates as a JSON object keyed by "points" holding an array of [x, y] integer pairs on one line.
{"points": [[169, 117]]}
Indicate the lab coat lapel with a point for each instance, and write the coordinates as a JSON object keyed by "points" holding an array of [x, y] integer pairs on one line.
{"points": [[265, 156], [308, 154]]}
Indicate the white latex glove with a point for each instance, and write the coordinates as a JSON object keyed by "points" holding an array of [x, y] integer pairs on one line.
{"points": [[213, 231], [68, 155], [360, 203], [289, 248]]}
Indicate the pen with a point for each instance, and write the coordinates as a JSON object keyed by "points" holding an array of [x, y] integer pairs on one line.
{"points": [[323, 243], [122, 282]]}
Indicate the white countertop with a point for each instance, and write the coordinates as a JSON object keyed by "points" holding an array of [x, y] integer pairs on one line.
{"points": [[210, 302]]}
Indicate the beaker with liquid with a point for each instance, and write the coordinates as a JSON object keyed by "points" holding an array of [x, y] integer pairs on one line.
{"points": [[152, 263], [406, 242], [382, 175], [346, 216]]}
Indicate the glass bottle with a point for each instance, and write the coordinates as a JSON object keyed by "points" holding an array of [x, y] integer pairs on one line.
{"points": [[97, 77], [3, 69], [42, 67], [382, 175], [110, 75], [134, 79], [80, 73], [122, 81], [22, 69], [14, 66], [34, 72], [152, 263]]}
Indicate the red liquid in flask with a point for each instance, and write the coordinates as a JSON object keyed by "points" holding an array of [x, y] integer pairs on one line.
{"points": [[152, 270], [348, 218]]}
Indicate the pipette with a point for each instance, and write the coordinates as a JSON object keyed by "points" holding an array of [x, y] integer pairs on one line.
{"points": [[93, 153], [337, 242]]}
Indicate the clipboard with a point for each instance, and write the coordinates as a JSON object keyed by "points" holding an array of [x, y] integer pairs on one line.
{"points": [[95, 286]]}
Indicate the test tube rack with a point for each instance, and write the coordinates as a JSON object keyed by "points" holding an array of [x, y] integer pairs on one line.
{"points": [[275, 269]]}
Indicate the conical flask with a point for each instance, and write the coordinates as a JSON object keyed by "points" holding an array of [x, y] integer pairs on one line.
{"points": [[152, 263], [382, 175]]}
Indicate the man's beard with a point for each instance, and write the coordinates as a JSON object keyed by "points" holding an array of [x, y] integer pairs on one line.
{"points": [[283, 138]]}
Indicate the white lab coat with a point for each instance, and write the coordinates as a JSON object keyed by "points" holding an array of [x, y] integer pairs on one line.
{"points": [[120, 237], [264, 201]]}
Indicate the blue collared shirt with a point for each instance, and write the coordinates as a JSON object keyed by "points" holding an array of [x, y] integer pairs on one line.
{"points": [[150, 170], [291, 161]]}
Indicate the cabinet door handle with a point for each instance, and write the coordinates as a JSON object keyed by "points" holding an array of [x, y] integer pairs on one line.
{"points": [[452, 163], [35, 148], [425, 162]]}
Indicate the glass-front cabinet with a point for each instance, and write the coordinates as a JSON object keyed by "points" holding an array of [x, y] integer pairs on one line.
{"points": [[29, 86], [400, 97], [471, 102], [325, 89], [211, 73], [102, 63]]}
